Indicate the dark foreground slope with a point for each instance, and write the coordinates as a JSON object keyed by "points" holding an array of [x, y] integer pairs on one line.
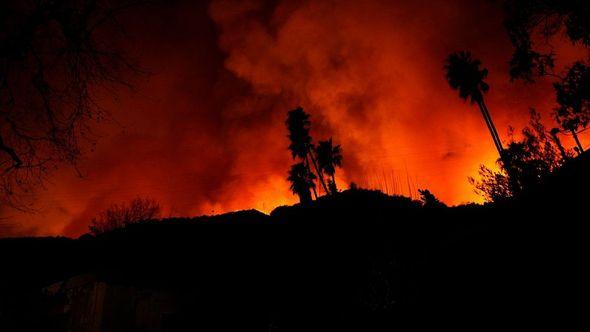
{"points": [[359, 261]]}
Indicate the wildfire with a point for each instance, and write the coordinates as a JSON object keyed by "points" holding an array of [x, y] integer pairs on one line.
{"points": [[204, 133]]}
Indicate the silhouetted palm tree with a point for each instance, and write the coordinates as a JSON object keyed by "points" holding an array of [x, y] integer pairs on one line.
{"points": [[464, 74], [298, 126], [302, 180], [329, 157], [301, 145]]}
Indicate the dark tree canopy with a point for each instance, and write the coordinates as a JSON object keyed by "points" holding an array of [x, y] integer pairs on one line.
{"points": [[528, 161], [533, 21], [298, 126], [573, 98], [302, 181], [329, 157], [492, 185], [464, 73], [122, 215], [301, 144], [430, 201], [52, 63]]}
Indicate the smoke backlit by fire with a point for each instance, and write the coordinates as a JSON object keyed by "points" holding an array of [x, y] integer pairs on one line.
{"points": [[204, 133]]}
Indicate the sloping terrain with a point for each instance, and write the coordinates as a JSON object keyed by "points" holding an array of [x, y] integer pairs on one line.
{"points": [[360, 260]]}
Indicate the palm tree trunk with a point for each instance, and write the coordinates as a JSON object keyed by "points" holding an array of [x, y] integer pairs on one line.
{"points": [[315, 193], [320, 175], [506, 161], [578, 144], [491, 127], [334, 182]]}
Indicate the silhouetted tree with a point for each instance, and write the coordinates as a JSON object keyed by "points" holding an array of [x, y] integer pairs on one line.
{"points": [[329, 157], [301, 145], [429, 200], [564, 155], [302, 181], [52, 63], [492, 185], [573, 98], [529, 18], [530, 23], [298, 126], [527, 161], [119, 216], [464, 74]]}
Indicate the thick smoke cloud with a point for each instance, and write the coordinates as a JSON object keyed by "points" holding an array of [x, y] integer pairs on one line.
{"points": [[204, 132], [371, 75]]}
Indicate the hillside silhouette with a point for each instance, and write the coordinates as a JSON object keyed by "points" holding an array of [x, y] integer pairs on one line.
{"points": [[356, 260], [341, 259]]}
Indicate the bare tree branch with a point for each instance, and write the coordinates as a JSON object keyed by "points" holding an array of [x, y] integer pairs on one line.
{"points": [[52, 63]]}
